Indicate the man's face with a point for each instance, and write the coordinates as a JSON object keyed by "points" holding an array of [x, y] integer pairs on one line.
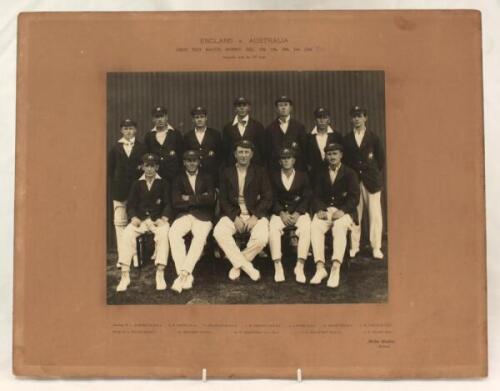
{"points": [[242, 109], [359, 120], [191, 165], [200, 120], [333, 157], [322, 123], [150, 169], [128, 132], [160, 121], [284, 109], [287, 162], [243, 156]]}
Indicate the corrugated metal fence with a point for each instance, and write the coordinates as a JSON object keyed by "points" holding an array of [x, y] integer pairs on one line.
{"points": [[135, 94]]}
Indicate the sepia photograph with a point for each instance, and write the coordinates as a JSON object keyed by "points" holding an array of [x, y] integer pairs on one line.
{"points": [[246, 188]]}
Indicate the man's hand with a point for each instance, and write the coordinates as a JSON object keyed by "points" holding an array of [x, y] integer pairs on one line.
{"points": [[250, 223], [239, 224], [322, 215], [136, 222], [294, 217], [286, 218], [161, 221], [337, 214], [185, 197]]}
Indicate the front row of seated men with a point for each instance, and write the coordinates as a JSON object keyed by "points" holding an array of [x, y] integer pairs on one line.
{"points": [[247, 196]]}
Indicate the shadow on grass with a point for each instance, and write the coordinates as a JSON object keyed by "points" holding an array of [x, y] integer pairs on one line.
{"points": [[365, 281]]}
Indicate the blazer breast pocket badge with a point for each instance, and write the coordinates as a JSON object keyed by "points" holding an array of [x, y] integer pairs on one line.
{"points": [[158, 201], [370, 155], [172, 153], [211, 153]]}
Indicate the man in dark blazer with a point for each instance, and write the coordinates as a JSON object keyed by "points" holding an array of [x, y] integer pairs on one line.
{"points": [[124, 167], [166, 142], [245, 200], [321, 135], [336, 196], [365, 154], [193, 200], [206, 141], [243, 126], [149, 209], [285, 131], [292, 196]]}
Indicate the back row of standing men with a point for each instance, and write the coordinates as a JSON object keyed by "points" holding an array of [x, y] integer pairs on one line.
{"points": [[361, 151]]}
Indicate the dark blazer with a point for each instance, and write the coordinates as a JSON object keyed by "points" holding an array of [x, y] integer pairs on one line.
{"points": [[154, 203], [254, 132], [297, 199], [367, 160], [343, 194], [170, 152], [314, 160], [295, 137], [257, 192], [123, 170], [210, 150], [201, 202]]}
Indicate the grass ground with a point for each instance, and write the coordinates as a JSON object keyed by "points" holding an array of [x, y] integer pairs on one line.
{"points": [[363, 280]]}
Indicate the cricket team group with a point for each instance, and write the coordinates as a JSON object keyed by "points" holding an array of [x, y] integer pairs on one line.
{"points": [[246, 180]]}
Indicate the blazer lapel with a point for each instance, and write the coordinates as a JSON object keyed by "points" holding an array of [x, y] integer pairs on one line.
{"points": [[249, 177], [234, 177], [187, 185], [195, 138], [365, 140], [339, 176], [236, 132], [295, 182], [278, 181], [197, 183], [133, 152]]}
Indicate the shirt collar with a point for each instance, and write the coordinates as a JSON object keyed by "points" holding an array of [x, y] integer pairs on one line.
{"points": [[238, 168], [202, 130], [315, 130], [191, 175], [245, 118], [123, 140], [338, 166], [143, 177], [361, 131], [168, 127], [283, 173], [287, 119]]}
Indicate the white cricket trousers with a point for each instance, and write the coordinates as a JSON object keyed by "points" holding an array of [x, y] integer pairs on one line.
{"points": [[180, 227], [129, 249], [303, 232], [339, 229], [372, 202], [259, 235], [120, 220]]}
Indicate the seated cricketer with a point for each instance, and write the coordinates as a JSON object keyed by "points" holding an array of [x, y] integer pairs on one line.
{"points": [[193, 201], [245, 200], [292, 195], [149, 209], [335, 201]]}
